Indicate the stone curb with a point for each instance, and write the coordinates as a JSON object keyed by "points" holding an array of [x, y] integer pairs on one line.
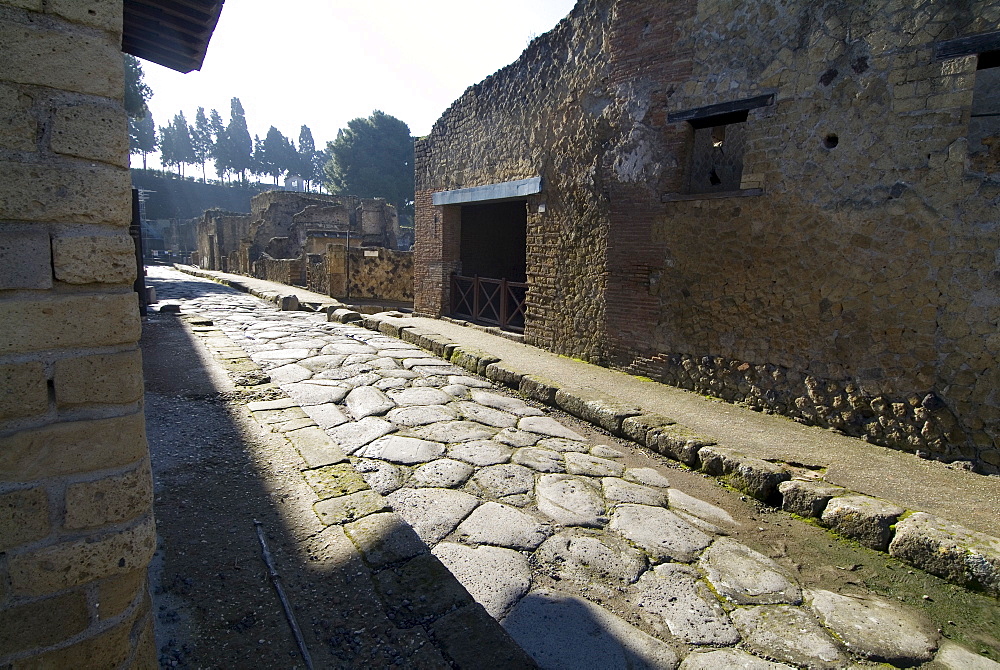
{"points": [[955, 553], [398, 559]]}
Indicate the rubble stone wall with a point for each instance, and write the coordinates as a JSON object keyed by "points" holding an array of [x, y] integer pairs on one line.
{"points": [[375, 273], [76, 523], [857, 289]]}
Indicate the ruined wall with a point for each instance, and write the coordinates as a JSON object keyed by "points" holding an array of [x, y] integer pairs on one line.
{"points": [[283, 270], [372, 273], [860, 290], [219, 236], [540, 116], [76, 524], [849, 279]]}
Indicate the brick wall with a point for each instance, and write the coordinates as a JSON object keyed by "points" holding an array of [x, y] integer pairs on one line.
{"points": [[76, 525], [858, 290]]}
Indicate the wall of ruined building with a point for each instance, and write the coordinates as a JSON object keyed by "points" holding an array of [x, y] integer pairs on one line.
{"points": [[540, 116], [859, 292], [228, 229], [368, 274], [76, 523], [283, 270]]}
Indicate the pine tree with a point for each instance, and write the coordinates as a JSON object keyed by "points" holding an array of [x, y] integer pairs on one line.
{"points": [[137, 93], [306, 165], [142, 136], [183, 147], [219, 150], [201, 140]]}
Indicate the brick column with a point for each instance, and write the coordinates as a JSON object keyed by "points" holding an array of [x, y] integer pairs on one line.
{"points": [[76, 524]]}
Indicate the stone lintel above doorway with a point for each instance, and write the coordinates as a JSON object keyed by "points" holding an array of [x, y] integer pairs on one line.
{"points": [[490, 192]]}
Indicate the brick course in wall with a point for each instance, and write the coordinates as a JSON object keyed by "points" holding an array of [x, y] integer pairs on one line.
{"points": [[76, 525], [851, 281]]}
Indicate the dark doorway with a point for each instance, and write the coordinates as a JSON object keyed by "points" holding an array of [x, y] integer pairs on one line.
{"points": [[493, 240], [492, 288]]}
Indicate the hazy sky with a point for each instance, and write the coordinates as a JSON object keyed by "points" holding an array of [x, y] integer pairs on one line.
{"points": [[325, 62]]}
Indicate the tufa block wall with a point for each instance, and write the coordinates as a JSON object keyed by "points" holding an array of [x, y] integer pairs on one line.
{"points": [[850, 283], [76, 525]]}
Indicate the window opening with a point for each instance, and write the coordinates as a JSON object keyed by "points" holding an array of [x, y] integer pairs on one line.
{"points": [[984, 122]]}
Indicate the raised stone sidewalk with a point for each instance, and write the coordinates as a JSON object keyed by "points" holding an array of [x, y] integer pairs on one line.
{"points": [[400, 434]]}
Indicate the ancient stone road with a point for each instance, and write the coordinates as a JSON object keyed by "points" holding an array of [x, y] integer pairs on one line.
{"points": [[584, 551]]}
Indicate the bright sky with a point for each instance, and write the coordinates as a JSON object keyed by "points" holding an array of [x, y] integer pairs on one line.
{"points": [[324, 62]]}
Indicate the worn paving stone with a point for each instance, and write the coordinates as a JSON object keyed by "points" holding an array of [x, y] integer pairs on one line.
{"points": [[746, 577], [660, 532], [294, 424], [306, 393], [789, 634], [699, 508], [280, 356], [807, 498], [562, 444], [570, 500], [504, 480], [404, 450], [433, 513], [420, 396], [334, 480], [541, 460], [347, 348], [453, 431], [315, 447], [398, 374], [502, 526], [728, 659], [384, 539], [351, 507], [356, 434], [480, 452], [505, 403], [618, 490], [420, 590], [424, 359], [421, 415], [457, 391], [646, 476], [497, 578], [443, 473], [564, 632], [381, 476], [322, 362], [516, 438], [287, 374], [877, 629], [604, 451], [469, 634], [865, 519], [673, 594], [487, 415], [585, 556], [585, 464], [471, 382], [365, 401], [545, 425], [327, 415], [954, 657], [389, 383]]}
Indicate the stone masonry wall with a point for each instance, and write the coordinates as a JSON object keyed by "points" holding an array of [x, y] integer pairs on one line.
{"points": [[388, 275], [539, 116], [857, 289], [76, 524]]}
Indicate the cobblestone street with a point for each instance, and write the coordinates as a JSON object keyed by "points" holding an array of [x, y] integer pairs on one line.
{"points": [[588, 550]]}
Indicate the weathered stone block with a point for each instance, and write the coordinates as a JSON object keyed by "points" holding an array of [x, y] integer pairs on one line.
{"points": [[110, 649], [335, 480], [25, 258], [753, 476], [23, 390], [350, 507], [473, 360], [18, 129], [948, 550], [680, 444], [24, 517], [115, 594], [57, 322], [288, 303], [73, 446], [595, 408], [113, 379], [538, 388], [384, 539], [43, 622], [87, 259], [430, 591], [315, 447], [109, 500], [807, 498], [391, 329], [91, 131], [80, 561], [470, 634], [863, 518], [82, 62], [503, 373], [96, 13], [343, 315], [645, 428], [67, 191]]}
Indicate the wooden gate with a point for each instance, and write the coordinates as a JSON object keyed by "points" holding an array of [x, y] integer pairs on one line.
{"points": [[495, 302]]}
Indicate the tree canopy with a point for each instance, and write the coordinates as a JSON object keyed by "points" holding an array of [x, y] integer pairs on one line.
{"points": [[137, 92], [373, 158]]}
